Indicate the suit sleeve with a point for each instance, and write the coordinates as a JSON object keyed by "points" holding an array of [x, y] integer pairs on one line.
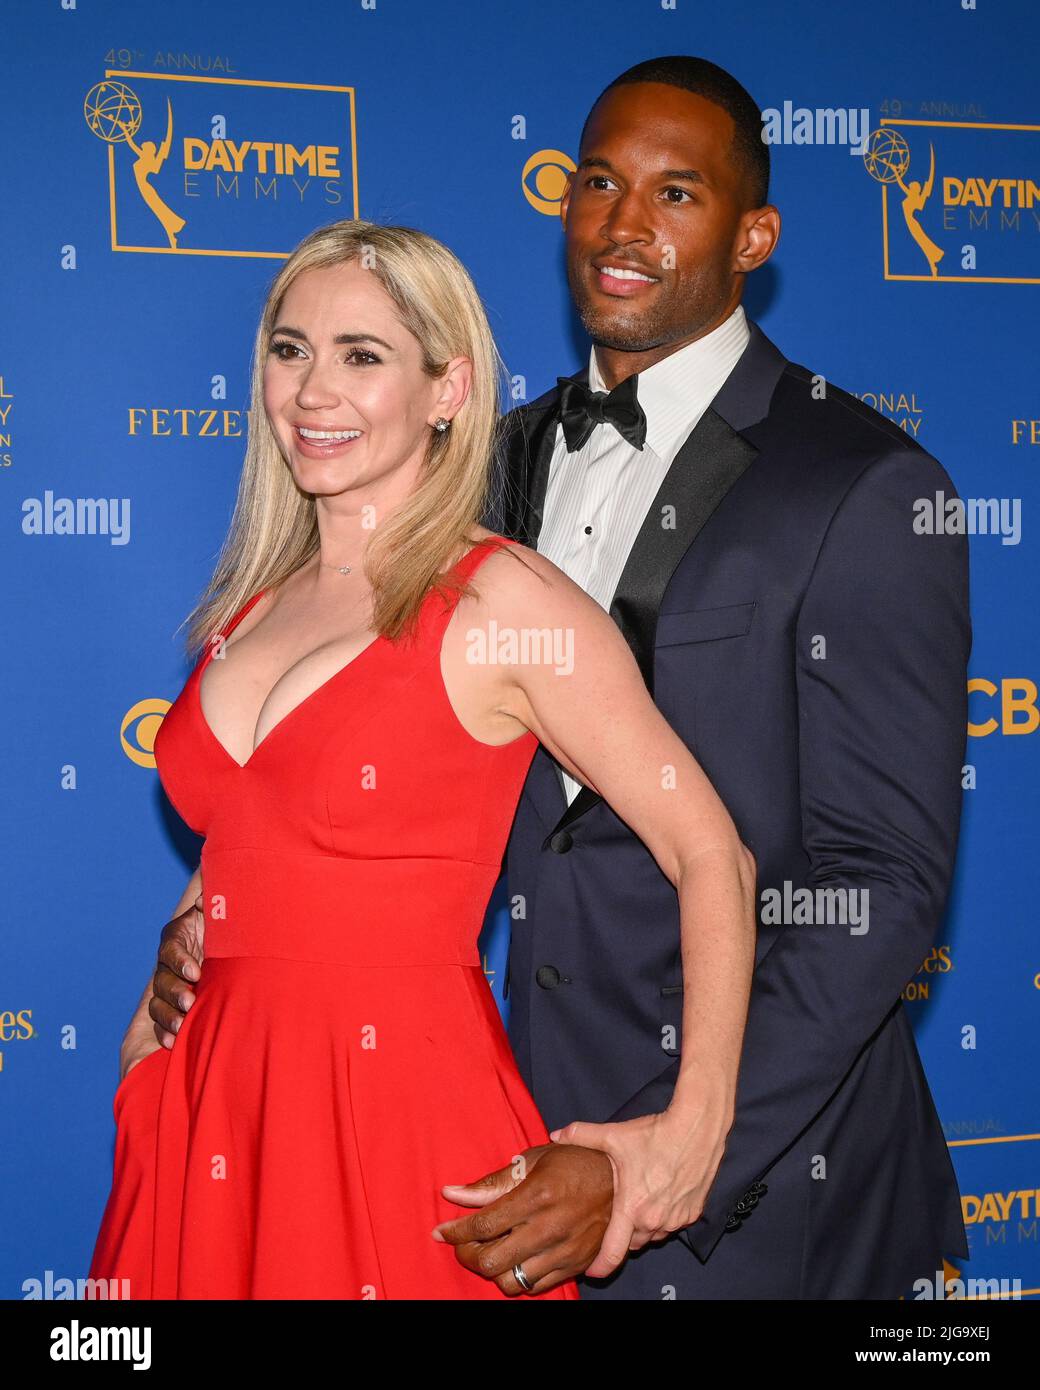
{"points": [[882, 718]]}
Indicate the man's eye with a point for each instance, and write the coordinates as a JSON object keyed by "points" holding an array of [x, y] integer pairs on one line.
{"points": [[683, 191]]}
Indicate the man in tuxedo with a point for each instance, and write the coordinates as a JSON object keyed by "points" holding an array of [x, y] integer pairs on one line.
{"points": [[749, 527]]}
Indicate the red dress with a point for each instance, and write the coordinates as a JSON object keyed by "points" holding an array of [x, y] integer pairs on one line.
{"points": [[344, 1057]]}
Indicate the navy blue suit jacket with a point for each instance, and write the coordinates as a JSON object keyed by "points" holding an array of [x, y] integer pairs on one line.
{"points": [[811, 651]]}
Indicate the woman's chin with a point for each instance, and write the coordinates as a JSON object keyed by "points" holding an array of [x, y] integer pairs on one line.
{"points": [[322, 479]]}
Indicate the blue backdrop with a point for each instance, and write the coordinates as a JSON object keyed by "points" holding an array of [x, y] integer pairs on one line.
{"points": [[906, 273]]}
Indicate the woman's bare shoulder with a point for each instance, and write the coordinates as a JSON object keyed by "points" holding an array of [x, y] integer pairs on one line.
{"points": [[518, 584]]}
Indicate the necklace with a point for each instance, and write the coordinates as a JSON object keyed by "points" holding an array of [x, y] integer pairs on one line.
{"points": [[341, 569]]}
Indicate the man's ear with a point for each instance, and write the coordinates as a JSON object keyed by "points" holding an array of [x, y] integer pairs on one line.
{"points": [[759, 233], [565, 200]]}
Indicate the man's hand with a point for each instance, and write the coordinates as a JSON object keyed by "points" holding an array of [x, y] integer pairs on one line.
{"points": [[547, 1212], [180, 963]]}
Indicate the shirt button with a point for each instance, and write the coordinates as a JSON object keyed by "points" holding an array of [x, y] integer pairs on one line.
{"points": [[588, 530]]}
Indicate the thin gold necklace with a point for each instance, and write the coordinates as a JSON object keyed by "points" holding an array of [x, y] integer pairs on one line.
{"points": [[340, 569]]}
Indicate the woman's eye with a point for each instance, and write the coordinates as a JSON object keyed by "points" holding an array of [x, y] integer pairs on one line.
{"points": [[359, 356]]}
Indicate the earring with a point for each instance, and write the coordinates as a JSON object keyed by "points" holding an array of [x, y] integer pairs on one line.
{"points": [[440, 424]]}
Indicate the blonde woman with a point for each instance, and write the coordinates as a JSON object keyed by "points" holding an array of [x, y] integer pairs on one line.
{"points": [[355, 771]]}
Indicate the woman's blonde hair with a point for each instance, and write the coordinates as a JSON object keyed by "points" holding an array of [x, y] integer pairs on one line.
{"points": [[274, 527]]}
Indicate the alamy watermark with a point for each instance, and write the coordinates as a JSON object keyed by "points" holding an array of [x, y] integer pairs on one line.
{"points": [[816, 907], [829, 125], [969, 516], [81, 1341], [523, 646], [941, 1288], [61, 1286], [77, 516]]}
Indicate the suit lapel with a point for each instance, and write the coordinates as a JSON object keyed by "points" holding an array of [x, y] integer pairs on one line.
{"points": [[527, 451], [712, 459], [539, 443]]}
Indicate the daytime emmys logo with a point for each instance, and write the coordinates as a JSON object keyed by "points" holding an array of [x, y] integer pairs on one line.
{"points": [[193, 190], [113, 113], [973, 184]]}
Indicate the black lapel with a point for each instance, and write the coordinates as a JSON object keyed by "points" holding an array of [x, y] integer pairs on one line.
{"points": [[540, 444], [703, 471], [524, 454], [711, 460], [527, 451]]}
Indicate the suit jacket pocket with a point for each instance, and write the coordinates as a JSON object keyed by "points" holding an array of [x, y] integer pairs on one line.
{"points": [[704, 624]]}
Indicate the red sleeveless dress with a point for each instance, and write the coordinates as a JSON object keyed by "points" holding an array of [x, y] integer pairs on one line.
{"points": [[344, 1057]]}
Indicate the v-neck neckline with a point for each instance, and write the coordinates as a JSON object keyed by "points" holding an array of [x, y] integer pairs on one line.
{"points": [[377, 642], [286, 718]]}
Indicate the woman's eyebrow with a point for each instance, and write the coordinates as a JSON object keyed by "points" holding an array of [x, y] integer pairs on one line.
{"points": [[340, 339]]}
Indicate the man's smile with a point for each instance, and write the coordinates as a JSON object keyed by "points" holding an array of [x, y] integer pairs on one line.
{"points": [[620, 280]]}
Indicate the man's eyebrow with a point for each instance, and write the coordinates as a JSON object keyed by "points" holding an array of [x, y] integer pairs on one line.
{"points": [[340, 339], [686, 175]]}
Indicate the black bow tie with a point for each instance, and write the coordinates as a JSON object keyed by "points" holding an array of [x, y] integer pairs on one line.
{"points": [[581, 410]]}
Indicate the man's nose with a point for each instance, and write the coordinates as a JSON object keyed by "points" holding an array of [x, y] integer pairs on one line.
{"points": [[629, 220]]}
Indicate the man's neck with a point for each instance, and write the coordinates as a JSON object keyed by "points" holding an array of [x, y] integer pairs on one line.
{"points": [[615, 366]]}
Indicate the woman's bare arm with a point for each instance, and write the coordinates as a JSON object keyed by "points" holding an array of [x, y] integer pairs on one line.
{"points": [[594, 714]]}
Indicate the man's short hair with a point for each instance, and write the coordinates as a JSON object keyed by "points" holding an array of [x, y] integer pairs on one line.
{"points": [[708, 80]]}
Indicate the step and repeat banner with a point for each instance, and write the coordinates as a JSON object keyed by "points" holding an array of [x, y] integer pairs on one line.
{"points": [[163, 160]]}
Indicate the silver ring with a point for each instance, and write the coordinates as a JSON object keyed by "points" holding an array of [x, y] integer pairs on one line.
{"points": [[521, 1278]]}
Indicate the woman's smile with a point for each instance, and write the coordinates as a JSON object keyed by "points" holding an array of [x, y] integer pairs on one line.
{"points": [[324, 444]]}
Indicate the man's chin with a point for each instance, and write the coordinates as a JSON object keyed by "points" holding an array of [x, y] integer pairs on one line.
{"points": [[614, 323], [620, 340], [621, 333]]}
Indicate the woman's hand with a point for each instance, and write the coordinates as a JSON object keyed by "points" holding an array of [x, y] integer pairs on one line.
{"points": [[663, 1165]]}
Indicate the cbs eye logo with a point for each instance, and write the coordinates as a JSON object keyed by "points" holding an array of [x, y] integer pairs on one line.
{"points": [[139, 728], [1018, 708], [550, 169]]}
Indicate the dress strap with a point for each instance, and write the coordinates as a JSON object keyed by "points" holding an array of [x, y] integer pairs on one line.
{"points": [[236, 618], [466, 567], [477, 554], [439, 612], [226, 630]]}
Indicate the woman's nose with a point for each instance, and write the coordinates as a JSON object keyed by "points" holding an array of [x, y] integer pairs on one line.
{"points": [[316, 386]]}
